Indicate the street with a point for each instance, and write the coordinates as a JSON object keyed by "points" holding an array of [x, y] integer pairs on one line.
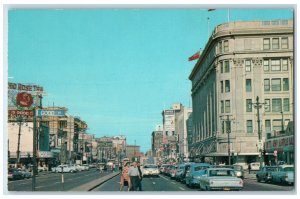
{"points": [[52, 181], [163, 183]]}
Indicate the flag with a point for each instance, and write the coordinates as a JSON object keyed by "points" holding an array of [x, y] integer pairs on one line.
{"points": [[211, 10], [195, 56]]}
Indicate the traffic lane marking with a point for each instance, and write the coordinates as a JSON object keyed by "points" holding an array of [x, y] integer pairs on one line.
{"points": [[163, 177]]}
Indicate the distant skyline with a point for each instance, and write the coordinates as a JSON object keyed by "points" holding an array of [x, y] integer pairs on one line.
{"points": [[117, 69]]}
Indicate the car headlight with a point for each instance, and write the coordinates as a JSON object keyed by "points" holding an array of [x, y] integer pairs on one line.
{"points": [[238, 173]]}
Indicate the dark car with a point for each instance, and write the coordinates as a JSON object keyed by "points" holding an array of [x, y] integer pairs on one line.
{"points": [[15, 174], [264, 174]]}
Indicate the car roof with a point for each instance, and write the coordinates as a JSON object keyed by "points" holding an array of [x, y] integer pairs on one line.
{"points": [[219, 168]]}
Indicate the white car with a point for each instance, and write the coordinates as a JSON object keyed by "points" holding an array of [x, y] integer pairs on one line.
{"points": [[150, 170], [220, 179], [65, 169], [255, 166]]}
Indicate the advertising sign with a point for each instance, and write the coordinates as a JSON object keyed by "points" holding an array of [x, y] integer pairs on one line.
{"points": [[18, 113], [24, 99], [50, 113]]}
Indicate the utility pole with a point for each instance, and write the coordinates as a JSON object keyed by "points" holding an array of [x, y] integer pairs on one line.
{"points": [[282, 126], [19, 121], [228, 131], [258, 105]]}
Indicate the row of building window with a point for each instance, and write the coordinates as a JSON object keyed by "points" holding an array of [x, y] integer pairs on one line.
{"points": [[268, 65], [275, 84], [277, 43], [276, 105], [274, 43], [277, 125]]}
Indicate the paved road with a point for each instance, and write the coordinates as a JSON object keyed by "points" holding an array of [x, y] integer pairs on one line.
{"points": [[160, 183], [52, 181], [163, 183]]}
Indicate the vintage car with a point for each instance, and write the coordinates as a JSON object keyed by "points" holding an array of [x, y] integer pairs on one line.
{"points": [[284, 174], [265, 173], [15, 174], [150, 170], [238, 169], [64, 169], [220, 179], [179, 172], [194, 173]]}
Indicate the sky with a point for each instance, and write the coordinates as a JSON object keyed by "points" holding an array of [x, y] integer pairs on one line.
{"points": [[116, 69]]}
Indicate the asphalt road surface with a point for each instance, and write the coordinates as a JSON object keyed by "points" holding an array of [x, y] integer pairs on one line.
{"points": [[53, 181], [163, 183]]}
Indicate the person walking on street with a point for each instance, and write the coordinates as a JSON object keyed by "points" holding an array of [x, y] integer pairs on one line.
{"points": [[140, 177], [134, 176], [125, 180], [249, 167]]}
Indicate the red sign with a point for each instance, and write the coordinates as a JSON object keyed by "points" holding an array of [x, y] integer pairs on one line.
{"points": [[24, 99], [16, 113]]}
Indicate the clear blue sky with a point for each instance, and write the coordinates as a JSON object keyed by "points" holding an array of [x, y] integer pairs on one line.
{"points": [[117, 69]]}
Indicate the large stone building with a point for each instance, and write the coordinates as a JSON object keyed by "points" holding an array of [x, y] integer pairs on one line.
{"points": [[240, 62], [157, 143], [133, 151]]}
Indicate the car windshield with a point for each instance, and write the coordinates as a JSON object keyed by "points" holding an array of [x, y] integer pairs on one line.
{"points": [[150, 167], [288, 169], [270, 168], [238, 167], [199, 168], [221, 173]]}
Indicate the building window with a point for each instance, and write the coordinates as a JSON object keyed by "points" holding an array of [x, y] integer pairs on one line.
{"points": [[249, 126], [286, 105], [285, 84], [284, 64], [227, 106], [275, 43], [247, 65], [223, 127], [62, 124], [228, 126], [248, 85], [268, 126], [221, 66], [222, 87], [267, 105], [276, 84], [220, 46], [227, 86], [226, 67], [275, 65], [266, 84], [284, 43], [276, 105], [267, 44], [248, 105], [222, 106], [226, 46], [277, 125], [266, 65]]}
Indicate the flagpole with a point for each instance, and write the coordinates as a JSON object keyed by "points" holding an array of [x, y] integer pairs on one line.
{"points": [[208, 27]]}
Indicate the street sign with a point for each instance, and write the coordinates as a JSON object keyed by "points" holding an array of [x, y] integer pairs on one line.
{"points": [[56, 113]]}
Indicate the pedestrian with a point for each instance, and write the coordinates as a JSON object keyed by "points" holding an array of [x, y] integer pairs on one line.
{"points": [[140, 176], [134, 176], [125, 180], [249, 167], [112, 167]]}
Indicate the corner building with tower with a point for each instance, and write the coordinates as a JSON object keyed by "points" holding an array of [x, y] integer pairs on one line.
{"points": [[242, 60]]}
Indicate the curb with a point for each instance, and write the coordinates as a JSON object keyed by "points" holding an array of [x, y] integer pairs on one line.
{"points": [[95, 183]]}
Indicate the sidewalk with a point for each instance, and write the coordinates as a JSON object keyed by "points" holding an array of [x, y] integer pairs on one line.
{"points": [[93, 184]]}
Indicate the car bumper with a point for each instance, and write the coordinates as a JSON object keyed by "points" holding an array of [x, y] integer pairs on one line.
{"points": [[227, 188]]}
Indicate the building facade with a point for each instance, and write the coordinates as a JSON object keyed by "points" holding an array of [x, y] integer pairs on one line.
{"points": [[132, 151], [157, 143], [240, 62]]}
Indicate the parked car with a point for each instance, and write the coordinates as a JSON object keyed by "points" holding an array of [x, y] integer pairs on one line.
{"points": [[162, 168], [65, 169], [255, 166], [150, 170], [194, 173], [284, 174], [220, 179], [15, 174], [186, 168], [265, 173], [179, 172], [243, 164], [86, 167], [25, 173], [172, 171]]}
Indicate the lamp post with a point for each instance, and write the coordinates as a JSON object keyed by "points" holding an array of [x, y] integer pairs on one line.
{"points": [[258, 105]]}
